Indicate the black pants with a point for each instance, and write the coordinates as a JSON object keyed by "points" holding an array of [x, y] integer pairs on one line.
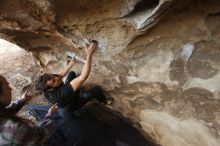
{"points": [[80, 99]]}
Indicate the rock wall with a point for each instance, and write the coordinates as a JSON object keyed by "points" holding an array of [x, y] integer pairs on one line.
{"points": [[159, 59], [17, 66]]}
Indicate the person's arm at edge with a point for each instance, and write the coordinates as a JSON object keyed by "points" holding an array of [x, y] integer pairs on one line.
{"points": [[27, 134], [16, 106]]}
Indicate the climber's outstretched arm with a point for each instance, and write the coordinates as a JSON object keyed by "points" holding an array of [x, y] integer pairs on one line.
{"points": [[77, 82], [65, 70]]}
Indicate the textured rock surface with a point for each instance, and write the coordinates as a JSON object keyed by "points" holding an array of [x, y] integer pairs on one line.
{"points": [[18, 66], [163, 75]]}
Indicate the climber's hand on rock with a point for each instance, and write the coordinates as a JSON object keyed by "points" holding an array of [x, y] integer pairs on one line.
{"points": [[91, 49], [94, 42]]}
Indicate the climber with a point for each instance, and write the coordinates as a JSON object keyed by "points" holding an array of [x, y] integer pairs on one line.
{"points": [[67, 95], [19, 131]]}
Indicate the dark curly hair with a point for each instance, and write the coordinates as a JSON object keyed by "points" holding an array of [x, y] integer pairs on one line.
{"points": [[41, 80]]}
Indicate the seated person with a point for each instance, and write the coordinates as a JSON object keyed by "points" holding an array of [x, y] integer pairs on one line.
{"points": [[66, 95], [18, 131]]}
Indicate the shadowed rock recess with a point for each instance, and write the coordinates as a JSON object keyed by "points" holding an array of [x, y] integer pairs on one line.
{"points": [[159, 59]]}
